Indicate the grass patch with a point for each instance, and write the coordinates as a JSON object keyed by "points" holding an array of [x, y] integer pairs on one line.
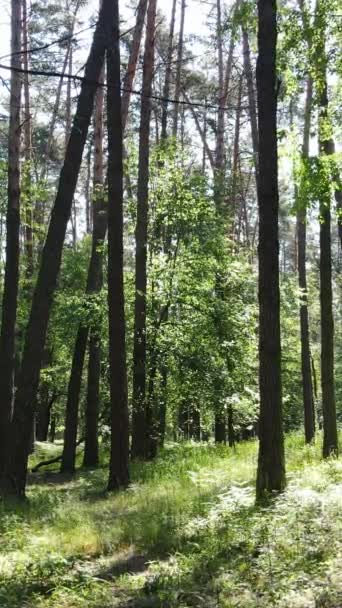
{"points": [[186, 533]]}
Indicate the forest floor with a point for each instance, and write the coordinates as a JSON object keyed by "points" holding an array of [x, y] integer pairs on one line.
{"points": [[187, 533]]}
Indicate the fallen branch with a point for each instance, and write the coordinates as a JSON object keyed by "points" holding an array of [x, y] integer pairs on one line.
{"points": [[45, 463]]}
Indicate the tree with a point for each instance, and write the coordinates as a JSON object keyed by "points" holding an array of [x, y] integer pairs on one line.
{"points": [[308, 399], [50, 265], [271, 461], [91, 451], [118, 469], [179, 70], [168, 73], [326, 149], [139, 350], [94, 284], [10, 293]]}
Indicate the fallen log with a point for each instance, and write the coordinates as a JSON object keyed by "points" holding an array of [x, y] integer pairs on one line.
{"points": [[45, 463]]}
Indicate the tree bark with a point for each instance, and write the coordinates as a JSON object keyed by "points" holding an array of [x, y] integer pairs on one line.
{"points": [[91, 447], [139, 348], [247, 64], [308, 399], [10, 293], [179, 70], [168, 72], [271, 462], [219, 151], [326, 148], [133, 59], [50, 263], [94, 285], [28, 230], [236, 153], [91, 451], [118, 471]]}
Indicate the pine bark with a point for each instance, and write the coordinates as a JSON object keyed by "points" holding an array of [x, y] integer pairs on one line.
{"points": [[50, 264], [133, 60], [326, 148], [308, 399], [28, 231], [247, 64], [168, 73], [179, 70], [139, 346], [94, 285], [219, 148], [271, 462], [118, 470], [91, 450], [10, 293]]}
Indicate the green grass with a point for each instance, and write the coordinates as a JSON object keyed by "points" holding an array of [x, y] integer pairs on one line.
{"points": [[186, 533]]}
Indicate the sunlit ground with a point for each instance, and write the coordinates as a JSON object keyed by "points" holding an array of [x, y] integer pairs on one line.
{"points": [[187, 533]]}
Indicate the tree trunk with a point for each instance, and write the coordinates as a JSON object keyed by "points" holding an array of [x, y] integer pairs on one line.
{"points": [[133, 59], [247, 64], [220, 427], [94, 284], [179, 70], [53, 429], [10, 293], [139, 347], [94, 363], [71, 417], [219, 151], [231, 432], [308, 400], [330, 438], [87, 192], [91, 447], [271, 462], [236, 155], [28, 231], [168, 72], [118, 471], [50, 263]]}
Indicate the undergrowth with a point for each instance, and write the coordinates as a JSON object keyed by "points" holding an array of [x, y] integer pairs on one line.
{"points": [[187, 533]]}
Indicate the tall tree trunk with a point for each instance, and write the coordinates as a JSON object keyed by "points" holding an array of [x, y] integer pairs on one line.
{"points": [[179, 68], [66, 139], [50, 263], [87, 192], [10, 293], [168, 72], [94, 362], [118, 471], [330, 438], [94, 284], [28, 233], [247, 64], [139, 347], [133, 59], [308, 399], [236, 154], [91, 446], [271, 462], [219, 152]]}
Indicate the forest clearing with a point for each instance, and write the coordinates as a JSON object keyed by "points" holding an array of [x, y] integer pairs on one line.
{"points": [[171, 304]]}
